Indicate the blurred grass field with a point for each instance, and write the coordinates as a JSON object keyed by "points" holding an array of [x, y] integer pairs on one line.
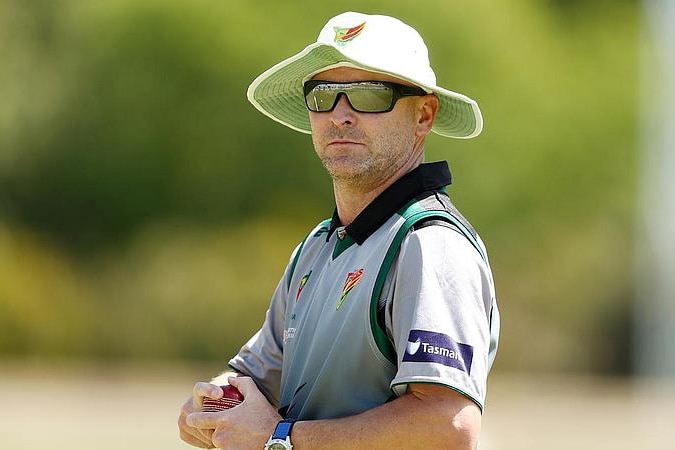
{"points": [[104, 408]]}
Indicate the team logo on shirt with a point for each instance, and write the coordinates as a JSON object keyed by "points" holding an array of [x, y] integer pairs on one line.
{"points": [[303, 282], [431, 347], [289, 333], [352, 280], [344, 35]]}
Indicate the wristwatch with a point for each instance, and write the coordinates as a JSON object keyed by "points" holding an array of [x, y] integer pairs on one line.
{"points": [[281, 438]]}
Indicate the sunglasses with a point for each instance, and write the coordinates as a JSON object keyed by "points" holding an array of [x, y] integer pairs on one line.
{"points": [[363, 96]]}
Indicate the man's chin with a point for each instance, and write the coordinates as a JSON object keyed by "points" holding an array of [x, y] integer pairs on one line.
{"points": [[343, 170], [356, 176]]}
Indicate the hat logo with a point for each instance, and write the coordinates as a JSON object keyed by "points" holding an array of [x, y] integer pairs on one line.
{"points": [[344, 35]]}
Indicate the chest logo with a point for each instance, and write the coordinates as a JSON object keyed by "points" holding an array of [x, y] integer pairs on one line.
{"points": [[302, 284], [352, 280]]}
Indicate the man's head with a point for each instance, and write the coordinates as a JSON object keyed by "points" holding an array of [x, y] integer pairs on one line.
{"points": [[367, 126], [378, 44]]}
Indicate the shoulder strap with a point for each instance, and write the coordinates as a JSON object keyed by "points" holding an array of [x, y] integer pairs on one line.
{"points": [[323, 227], [415, 215]]}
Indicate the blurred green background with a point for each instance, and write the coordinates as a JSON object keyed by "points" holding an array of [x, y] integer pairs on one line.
{"points": [[147, 210]]}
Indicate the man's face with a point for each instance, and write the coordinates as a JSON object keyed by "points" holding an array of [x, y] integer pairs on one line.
{"points": [[363, 148]]}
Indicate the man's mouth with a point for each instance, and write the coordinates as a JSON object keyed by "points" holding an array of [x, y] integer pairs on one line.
{"points": [[343, 142]]}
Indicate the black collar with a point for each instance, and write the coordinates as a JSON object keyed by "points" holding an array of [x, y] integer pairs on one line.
{"points": [[424, 178]]}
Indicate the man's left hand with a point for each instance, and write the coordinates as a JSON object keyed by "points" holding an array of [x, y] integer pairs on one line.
{"points": [[246, 426]]}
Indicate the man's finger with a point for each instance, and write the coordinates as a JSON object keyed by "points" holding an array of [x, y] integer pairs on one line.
{"points": [[193, 436], [193, 441], [245, 385], [201, 390], [205, 420], [205, 435]]}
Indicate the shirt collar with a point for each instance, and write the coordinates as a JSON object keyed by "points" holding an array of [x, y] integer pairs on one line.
{"points": [[424, 178]]}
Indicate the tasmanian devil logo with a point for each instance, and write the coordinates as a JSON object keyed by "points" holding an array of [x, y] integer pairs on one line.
{"points": [[344, 35], [352, 280]]}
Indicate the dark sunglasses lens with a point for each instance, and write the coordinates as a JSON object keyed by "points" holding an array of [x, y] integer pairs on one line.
{"points": [[321, 98], [371, 97], [363, 97]]}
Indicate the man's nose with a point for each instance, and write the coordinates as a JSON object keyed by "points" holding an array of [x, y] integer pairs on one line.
{"points": [[343, 114]]}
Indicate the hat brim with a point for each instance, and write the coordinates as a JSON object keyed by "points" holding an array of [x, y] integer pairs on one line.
{"points": [[278, 93]]}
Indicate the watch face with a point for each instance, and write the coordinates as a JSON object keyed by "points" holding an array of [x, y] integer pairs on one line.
{"points": [[277, 446]]}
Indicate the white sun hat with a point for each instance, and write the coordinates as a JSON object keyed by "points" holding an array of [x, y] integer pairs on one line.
{"points": [[374, 43]]}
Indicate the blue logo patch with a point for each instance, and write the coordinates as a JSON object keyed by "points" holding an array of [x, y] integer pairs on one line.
{"points": [[428, 346]]}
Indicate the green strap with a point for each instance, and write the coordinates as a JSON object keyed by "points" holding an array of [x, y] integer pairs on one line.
{"points": [[323, 227], [413, 215]]}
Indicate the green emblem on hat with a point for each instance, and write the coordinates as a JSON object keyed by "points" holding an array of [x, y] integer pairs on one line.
{"points": [[344, 35]]}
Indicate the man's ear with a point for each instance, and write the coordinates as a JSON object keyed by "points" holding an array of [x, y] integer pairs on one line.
{"points": [[427, 108]]}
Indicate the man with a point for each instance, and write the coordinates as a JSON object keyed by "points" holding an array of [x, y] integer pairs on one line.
{"points": [[384, 326]]}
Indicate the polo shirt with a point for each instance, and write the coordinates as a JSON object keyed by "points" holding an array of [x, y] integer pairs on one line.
{"points": [[404, 294]]}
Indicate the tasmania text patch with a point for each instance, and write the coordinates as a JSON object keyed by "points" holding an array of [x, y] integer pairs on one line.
{"points": [[428, 346]]}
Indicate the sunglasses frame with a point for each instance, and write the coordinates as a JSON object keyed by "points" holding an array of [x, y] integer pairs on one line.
{"points": [[398, 91]]}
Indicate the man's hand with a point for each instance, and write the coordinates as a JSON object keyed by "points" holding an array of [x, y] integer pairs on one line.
{"points": [[191, 435], [246, 426]]}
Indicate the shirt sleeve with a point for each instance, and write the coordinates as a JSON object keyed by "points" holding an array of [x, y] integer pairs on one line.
{"points": [[262, 356], [441, 308]]}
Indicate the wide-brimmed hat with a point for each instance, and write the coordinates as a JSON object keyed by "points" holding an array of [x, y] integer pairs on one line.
{"points": [[369, 42]]}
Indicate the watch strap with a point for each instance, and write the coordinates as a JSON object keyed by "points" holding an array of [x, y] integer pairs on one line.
{"points": [[283, 429]]}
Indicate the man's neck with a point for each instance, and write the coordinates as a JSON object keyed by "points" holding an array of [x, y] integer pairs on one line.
{"points": [[350, 203], [352, 198]]}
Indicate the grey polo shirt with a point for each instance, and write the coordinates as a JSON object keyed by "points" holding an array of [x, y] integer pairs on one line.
{"points": [[402, 295]]}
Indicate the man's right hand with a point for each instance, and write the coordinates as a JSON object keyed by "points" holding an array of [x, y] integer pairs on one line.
{"points": [[195, 436]]}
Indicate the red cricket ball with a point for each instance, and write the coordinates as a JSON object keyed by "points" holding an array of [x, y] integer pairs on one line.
{"points": [[231, 398]]}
